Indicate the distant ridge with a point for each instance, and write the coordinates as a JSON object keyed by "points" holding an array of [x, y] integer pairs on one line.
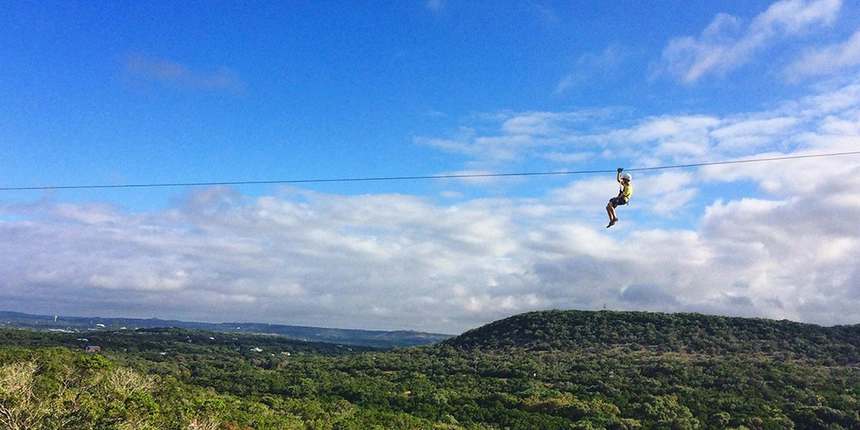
{"points": [[660, 332], [383, 339]]}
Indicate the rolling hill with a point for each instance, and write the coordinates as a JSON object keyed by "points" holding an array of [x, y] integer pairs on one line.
{"points": [[593, 331]]}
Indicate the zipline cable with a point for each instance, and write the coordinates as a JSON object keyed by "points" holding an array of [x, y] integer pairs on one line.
{"points": [[423, 177], [748, 160]]}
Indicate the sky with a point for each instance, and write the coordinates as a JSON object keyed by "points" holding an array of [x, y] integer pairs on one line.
{"points": [[100, 96]]}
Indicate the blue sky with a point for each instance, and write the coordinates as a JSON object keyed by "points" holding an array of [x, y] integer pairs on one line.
{"points": [[126, 93]]}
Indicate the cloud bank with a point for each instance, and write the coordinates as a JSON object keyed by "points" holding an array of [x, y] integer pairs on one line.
{"points": [[783, 247]]}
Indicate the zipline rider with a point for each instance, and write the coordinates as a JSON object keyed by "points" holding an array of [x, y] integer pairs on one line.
{"points": [[623, 196]]}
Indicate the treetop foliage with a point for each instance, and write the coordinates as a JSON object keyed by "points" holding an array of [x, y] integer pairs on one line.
{"points": [[660, 332]]}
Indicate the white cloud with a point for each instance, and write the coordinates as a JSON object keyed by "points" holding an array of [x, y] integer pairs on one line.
{"points": [[668, 138], [790, 250], [746, 134], [795, 16], [827, 60], [726, 44], [513, 136], [396, 261], [665, 193]]}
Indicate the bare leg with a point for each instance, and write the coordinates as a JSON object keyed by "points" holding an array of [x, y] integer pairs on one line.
{"points": [[611, 212]]}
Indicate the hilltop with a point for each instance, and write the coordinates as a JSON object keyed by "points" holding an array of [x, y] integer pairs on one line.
{"points": [[594, 331]]}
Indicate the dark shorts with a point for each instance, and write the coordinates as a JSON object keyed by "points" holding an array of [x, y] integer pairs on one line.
{"points": [[617, 201]]}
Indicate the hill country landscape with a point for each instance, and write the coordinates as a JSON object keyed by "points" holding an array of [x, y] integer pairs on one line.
{"points": [[538, 370]]}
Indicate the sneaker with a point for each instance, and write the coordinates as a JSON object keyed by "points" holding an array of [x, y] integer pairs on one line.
{"points": [[611, 223]]}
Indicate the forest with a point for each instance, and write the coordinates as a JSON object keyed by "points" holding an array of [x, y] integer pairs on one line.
{"points": [[539, 370]]}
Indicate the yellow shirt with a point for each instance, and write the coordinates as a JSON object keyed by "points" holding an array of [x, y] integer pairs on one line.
{"points": [[626, 191]]}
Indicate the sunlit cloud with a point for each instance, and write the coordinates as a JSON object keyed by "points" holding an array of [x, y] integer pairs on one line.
{"points": [[727, 43], [507, 137], [827, 60]]}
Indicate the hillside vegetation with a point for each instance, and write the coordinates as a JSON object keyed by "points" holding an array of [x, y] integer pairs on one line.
{"points": [[541, 370], [664, 333]]}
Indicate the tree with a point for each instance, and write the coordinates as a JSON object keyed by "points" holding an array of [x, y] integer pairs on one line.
{"points": [[666, 412]]}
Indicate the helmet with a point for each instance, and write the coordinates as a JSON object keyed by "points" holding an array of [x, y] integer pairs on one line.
{"points": [[627, 176]]}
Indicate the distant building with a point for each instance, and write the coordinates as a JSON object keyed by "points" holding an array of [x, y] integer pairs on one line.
{"points": [[93, 348]]}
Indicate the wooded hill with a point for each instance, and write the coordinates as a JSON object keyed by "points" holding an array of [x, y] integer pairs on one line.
{"points": [[541, 370], [585, 331]]}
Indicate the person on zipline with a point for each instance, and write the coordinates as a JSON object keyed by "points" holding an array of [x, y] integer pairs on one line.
{"points": [[623, 196]]}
